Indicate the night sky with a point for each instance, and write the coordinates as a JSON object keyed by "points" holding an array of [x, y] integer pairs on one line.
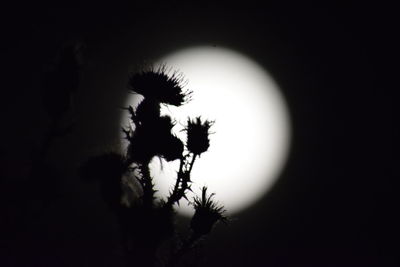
{"points": [[336, 202]]}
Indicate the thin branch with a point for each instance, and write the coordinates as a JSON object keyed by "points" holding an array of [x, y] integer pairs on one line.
{"points": [[148, 186], [182, 182]]}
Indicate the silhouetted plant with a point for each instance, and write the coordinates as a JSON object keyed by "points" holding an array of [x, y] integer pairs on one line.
{"points": [[145, 221], [58, 87], [59, 83], [197, 136], [207, 213], [157, 85]]}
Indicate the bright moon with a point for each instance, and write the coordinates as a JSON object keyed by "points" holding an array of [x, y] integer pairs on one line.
{"points": [[251, 131]]}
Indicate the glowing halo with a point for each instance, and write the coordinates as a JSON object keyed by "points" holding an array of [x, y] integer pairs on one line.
{"points": [[251, 137]]}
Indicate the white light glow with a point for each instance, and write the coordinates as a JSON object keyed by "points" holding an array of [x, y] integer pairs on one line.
{"points": [[251, 140]]}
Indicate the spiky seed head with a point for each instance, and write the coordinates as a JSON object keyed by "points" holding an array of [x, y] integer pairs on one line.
{"points": [[161, 85], [207, 213], [198, 132]]}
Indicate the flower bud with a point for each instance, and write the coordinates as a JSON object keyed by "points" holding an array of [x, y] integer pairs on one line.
{"points": [[197, 135], [207, 213]]}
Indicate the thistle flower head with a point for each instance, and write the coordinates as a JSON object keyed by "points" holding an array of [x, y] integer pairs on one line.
{"points": [[154, 139], [207, 213], [147, 111], [170, 147], [161, 86], [197, 135]]}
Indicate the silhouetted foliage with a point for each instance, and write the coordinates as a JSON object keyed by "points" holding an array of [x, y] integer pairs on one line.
{"points": [[62, 81], [34, 193], [108, 170], [58, 86], [126, 182], [207, 213]]}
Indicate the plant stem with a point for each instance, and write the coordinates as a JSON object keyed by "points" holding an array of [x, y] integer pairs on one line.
{"points": [[178, 193], [179, 178], [192, 163], [147, 184]]}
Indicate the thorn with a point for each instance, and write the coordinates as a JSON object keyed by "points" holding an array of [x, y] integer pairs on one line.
{"points": [[127, 133]]}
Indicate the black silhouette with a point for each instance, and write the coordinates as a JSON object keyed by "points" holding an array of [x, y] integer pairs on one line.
{"points": [[336, 201], [38, 192], [58, 88], [127, 185]]}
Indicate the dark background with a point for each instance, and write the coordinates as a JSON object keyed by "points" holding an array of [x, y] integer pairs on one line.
{"points": [[336, 203]]}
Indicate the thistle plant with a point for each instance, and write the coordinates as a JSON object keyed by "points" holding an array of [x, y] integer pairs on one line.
{"points": [[149, 221], [207, 213]]}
